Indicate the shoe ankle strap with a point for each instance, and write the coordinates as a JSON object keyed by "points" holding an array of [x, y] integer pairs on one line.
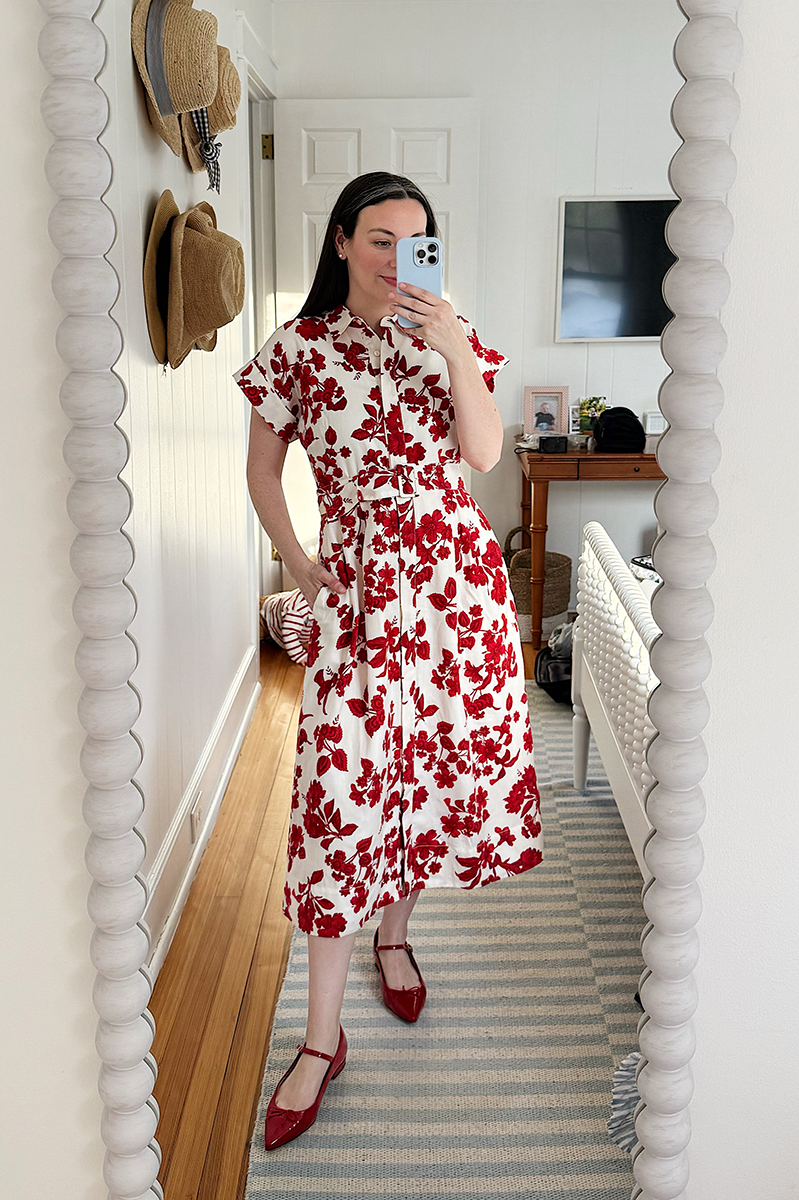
{"points": [[403, 946], [319, 1053]]}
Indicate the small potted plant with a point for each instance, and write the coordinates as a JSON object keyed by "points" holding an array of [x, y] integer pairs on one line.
{"points": [[590, 408]]}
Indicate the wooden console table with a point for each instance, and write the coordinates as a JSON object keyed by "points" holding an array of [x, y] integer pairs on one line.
{"points": [[537, 472]]}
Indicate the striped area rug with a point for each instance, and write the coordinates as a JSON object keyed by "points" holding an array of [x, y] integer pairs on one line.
{"points": [[503, 1086]]}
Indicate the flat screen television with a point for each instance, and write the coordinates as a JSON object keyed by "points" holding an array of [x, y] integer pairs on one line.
{"points": [[611, 263]]}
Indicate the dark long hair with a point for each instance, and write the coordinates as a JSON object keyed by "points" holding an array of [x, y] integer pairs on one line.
{"points": [[331, 282]]}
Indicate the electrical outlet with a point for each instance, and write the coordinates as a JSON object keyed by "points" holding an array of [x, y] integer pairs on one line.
{"points": [[654, 422], [196, 816]]}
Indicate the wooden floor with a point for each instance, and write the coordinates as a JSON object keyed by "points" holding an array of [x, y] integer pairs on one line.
{"points": [[215, 995]]}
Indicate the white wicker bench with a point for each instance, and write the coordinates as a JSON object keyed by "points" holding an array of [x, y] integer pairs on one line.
{"points": [[612, 679]]}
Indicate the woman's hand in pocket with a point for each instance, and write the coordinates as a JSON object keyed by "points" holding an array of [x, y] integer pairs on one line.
{"points": [[314, 578]]}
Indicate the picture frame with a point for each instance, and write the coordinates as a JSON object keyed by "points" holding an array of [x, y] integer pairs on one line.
{"points": [[546, 409], [574, 418]]}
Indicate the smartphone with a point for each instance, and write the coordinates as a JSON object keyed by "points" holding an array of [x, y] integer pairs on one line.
{"points": [[418, 263]]}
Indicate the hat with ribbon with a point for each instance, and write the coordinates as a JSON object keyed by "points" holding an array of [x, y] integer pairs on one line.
{"points": [[175, 50], [193, 279], [221, 116]]}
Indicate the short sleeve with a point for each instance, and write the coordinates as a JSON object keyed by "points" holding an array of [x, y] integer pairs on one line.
{"points": [[490, 360], [267, 381]]}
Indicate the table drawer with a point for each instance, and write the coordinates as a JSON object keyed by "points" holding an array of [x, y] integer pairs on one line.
{"points": [[595, 468], [553, 469]]}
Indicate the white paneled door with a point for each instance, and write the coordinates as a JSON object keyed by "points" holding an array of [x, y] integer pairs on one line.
{"points": [[320, 145]]}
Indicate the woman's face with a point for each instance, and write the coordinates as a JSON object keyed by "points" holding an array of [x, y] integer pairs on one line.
{"points": [[371, 252]]}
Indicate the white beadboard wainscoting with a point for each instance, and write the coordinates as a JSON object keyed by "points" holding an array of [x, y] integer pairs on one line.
{"points": [[192, 525], [173, 868]]}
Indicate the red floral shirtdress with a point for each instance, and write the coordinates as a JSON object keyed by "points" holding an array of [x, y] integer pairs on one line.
{"points": [[414, 762]]}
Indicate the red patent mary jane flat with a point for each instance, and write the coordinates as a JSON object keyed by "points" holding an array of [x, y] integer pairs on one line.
{"points": [[405, 1002], [284, 1124]]}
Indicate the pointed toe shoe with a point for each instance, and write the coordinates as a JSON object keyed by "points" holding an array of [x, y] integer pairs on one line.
{"points": [[285, 1124], [404, 1002]]}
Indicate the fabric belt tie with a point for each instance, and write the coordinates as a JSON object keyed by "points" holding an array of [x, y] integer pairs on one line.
{"points": [[376, 485], [373, 485]]}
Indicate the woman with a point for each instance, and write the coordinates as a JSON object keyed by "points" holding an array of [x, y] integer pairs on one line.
{"points": [[414, 762]]}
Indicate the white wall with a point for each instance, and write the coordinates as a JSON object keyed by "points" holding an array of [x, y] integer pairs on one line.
{"points": [[50, 1110], [747, 1068], [575, 101]]}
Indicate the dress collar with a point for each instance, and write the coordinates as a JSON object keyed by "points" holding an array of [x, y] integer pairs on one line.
{"points": [[340, 318]]}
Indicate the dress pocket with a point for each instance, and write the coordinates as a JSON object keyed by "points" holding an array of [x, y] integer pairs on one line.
{"points": [[319, 600]]}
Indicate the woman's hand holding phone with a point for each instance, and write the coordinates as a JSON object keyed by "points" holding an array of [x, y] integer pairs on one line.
{"points": [[435, 322], [438, 323]]}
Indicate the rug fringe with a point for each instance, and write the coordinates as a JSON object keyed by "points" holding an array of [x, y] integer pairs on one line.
{"points": [[624, 1100]]}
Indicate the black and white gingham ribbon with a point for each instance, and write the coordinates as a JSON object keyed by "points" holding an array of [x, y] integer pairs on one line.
{"points": [[209, 149]]}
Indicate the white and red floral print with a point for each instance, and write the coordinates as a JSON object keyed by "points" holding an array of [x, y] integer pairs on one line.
{"points": [[414, 762]]}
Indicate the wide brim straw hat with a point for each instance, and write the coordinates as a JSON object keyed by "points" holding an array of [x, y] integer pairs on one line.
{"points": [[165, 210], [174, 46], [206, 281], [167, 128], [221, 113], [156, 281]]}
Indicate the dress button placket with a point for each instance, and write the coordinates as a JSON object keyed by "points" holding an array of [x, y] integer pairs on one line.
{"points": [[405, 609]]}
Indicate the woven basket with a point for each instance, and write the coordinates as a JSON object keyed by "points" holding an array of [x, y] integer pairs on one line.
{"points": [[557, 578]]}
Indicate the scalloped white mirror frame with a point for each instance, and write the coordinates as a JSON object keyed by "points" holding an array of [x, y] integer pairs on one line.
{"points": [[82, 228]]}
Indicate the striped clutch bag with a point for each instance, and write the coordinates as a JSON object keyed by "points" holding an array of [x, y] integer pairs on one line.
{"points": [[286, 619]]}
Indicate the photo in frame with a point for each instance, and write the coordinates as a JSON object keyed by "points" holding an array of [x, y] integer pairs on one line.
{"points": [[546, 410], [574, 418]]}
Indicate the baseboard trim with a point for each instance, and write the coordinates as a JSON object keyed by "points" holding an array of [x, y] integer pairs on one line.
{"points": [[163, 939]]}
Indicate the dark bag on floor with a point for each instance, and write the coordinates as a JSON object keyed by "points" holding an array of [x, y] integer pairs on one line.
{"points": [[618, 431], [554, 675]]}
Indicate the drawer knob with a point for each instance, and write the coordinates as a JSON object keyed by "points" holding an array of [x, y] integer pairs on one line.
{"points": [[636, 468]]}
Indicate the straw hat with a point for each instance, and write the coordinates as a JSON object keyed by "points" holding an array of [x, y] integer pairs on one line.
{"points": [[165, 211], [167, 128], [221, 113], [157, 262], [178, 62], [193, 279]]}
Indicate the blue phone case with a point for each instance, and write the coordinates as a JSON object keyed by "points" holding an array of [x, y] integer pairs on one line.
{"points": [[415, 266]]}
